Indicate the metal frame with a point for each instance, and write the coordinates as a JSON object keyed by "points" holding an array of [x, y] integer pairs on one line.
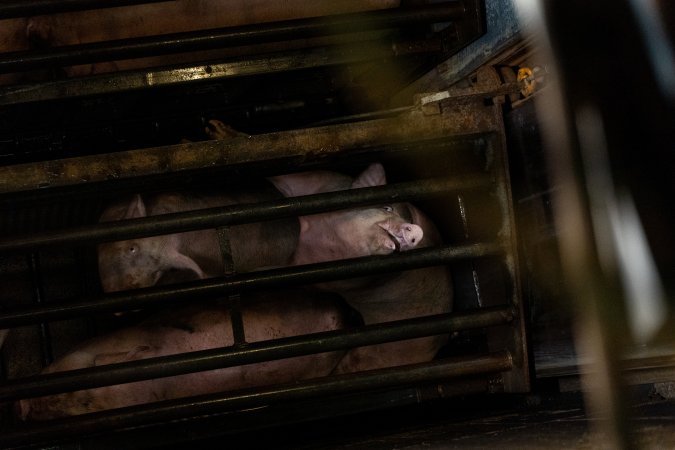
{"points": [[343, 50], [459, 115], [468, 118], [210, 404], [11, 9], [231, 36]]}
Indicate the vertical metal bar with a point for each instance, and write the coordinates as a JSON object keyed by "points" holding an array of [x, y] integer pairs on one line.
{"points": [[38, 299], [517, 380], [234, 303], [236, 319], [87, 275], [465, 226]]}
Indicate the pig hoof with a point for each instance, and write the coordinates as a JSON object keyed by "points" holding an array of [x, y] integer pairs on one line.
{"points": [[217, 130]]}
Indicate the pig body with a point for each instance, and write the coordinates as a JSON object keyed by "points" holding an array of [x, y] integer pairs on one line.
{"points": [[373, 231], [196, 327], [145, 262]]}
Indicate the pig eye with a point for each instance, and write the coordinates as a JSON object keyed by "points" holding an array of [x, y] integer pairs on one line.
{"points": [[133, 249], [388, 208]]}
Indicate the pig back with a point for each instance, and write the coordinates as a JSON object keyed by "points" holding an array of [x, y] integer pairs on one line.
{"points": [[202, 326], [249, 246], [259, 245]]}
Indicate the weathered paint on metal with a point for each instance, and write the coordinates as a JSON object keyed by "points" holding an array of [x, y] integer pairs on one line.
{"points": [[503, 31], [299, 146]]}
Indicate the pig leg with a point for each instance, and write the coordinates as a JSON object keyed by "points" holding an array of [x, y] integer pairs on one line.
{"points": [[140, 352], [217, 130]]}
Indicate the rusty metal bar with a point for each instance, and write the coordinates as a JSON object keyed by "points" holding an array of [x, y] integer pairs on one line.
{"points": [[248, 398], [286, 148], [243, 213], [254, 352], [217, 70], [229, 37], [288, 413], [219, 287], [519, 380], [24, 8], [240, 67]]}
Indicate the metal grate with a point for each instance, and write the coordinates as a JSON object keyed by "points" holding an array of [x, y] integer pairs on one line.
{"points": [[460, 134], [505, 338]]}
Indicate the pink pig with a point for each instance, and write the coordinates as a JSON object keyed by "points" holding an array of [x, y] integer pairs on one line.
{"points": [[373, 231], [144, 262], [368, 231], [193, 328]]}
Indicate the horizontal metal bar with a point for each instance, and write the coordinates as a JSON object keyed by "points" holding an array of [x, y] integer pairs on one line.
{"points": [[213, 70], [248, 398], [241, 213], [286, 148], [24, 8], [285, 414], [228, 37], [254, 352], [264, 279]]}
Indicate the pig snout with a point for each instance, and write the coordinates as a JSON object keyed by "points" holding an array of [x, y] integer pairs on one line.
{"points": [[405, 235], [409, 236]]}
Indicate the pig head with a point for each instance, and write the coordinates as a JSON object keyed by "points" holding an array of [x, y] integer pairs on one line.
{"points": [[354, 232], [373, 231], [138, 263], [144, 262]]}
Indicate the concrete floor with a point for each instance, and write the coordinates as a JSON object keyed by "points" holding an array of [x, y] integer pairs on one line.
{"points": [[554, 421]]}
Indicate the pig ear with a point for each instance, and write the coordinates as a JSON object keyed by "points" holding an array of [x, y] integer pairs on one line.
{"points": [[136, 208], [134, 354], [180, 261], [124, 209], [372, 176]]}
